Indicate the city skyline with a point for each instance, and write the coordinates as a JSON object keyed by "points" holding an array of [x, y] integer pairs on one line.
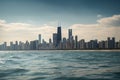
{"points": [[23, 20], [59, 43]]}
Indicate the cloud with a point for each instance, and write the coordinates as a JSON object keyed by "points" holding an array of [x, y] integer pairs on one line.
{"points": [[113, 21], [106, 27], [2, 21], [95, 31], [24, 31], [99, 16]]}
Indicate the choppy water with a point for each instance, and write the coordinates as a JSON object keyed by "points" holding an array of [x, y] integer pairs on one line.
{"points": [[59, 65]]}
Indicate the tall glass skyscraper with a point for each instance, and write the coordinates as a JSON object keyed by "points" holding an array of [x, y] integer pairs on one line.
{"points": [[55, 39], [69, 33], [39, 39], [59, 35]]}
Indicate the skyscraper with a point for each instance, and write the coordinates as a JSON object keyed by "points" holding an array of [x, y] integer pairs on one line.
{"points": [[39, 39], [69, 33], [16, 45], [82, 44], [55, 39], [11, 46], [113, 42], [59, 35], [50, 41], [76, 42], [110, 43], [5, 46]]}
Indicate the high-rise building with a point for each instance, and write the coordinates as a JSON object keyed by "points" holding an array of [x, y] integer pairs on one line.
{"points": [[94, 44], [101, 45], [11, 46], [76, 42], [27, 45], [34, 45], [64, 43], [119, 44], [82, 44], [16, 45], [50, 44], [39, 39], [50, 41], [5, 46], [113, 43], [69, 34], [55, 39], [59, 37], [110, 43]]}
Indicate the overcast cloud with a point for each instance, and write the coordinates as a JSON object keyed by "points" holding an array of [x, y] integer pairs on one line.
{"points": [[106, 27]]}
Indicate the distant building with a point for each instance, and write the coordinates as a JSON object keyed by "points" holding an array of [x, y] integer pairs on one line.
{"points": [[11, 46], [76, 42], [59, 36], [50, 44], [16, 45], [94, 44], [110, 43], [50, 41], [113, 42], [69, 33], [64, 43], [4, 46], [101, 45], [27, 45], [39, 39], [34, 45], [82, 44], [54, 39]]}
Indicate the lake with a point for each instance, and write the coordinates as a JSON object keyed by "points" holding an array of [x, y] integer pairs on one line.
{"points": [[60, 65]]}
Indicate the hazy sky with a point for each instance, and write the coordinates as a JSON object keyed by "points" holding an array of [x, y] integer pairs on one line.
{"points": [[89, 19]]}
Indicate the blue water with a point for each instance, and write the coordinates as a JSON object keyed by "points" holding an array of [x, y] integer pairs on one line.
{"points": [[59, 65]]}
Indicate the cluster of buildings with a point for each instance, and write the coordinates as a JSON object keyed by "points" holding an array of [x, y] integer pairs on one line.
{"points": [[59, 43]]}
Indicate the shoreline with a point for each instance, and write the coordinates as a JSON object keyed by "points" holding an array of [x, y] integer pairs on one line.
{"points": [[118, 50]]}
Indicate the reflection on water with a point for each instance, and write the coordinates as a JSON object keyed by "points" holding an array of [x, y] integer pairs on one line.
{"points": [[59, 65]]}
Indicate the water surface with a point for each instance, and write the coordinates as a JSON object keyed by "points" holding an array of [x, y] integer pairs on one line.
{"points": [[59, 65]]}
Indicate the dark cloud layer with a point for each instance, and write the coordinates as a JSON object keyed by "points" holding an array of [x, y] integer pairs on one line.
{"points": [[73, 6]]}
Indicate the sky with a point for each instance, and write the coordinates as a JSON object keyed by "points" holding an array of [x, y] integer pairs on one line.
{"points": [[23, 20]]}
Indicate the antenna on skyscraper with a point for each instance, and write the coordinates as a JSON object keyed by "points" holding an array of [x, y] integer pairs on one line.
{"points": [[59, 22]]}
